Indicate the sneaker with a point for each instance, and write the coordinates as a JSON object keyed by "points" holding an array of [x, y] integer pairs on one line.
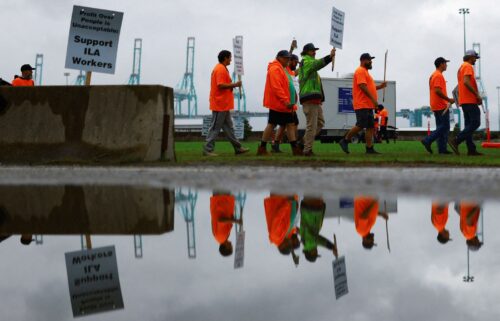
{"points": [[210, 154], [241, 150], [261, 151], [344, 145], [446, 152], [275, 148], [454, 145], [371, 150], [427, 146], [474, 153]]}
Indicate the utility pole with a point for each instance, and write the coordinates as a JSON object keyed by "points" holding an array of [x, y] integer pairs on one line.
{"points": [[464, 11], [67, 74], [498, 99]]}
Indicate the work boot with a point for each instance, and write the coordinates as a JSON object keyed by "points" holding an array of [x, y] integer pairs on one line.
{"points": [[241, 150], [474, 153], [427, 146], [297, 151], [344, 145], [309, 154], [262, 151], [454, 145], [371, 150], [209, 154], [446, 152], [275, 148]]}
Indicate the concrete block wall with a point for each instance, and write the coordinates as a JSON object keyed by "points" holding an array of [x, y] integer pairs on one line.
{"points": [[86, 123]]}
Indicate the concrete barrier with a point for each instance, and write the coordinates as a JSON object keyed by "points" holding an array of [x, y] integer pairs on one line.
{"points": [[85, 210], [104, 124]]}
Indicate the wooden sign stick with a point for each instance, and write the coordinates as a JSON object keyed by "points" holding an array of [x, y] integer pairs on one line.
{"points": [[385, 74]]}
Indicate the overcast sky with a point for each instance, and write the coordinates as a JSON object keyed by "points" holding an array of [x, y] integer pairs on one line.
{"points": [[414, 32]]}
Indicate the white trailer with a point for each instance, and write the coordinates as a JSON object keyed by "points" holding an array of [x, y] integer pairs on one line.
{"points": [[338, 111]]}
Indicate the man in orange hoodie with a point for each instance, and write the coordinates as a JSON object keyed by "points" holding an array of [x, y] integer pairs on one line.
{"points": [[291, 69], [281, 216], [280, 98], [469, 218]]}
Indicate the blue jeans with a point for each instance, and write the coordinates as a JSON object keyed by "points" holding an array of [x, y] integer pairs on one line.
{"points": [[472, 116], [441, 132]]}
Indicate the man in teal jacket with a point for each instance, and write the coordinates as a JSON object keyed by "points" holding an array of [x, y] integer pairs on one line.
{"points": [[311, 93]]}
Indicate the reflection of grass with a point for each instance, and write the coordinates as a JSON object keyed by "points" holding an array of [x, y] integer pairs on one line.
{"points": [[400, 154]]}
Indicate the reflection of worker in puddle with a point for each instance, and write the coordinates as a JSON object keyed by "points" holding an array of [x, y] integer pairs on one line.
{"points": [[281, 218], [439, 218], [222, 212], [312, 213], [25, 239], [469, 218], [366, 210]]}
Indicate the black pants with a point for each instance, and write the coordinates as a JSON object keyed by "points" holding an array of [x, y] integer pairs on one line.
{"points": [[383, 133]]}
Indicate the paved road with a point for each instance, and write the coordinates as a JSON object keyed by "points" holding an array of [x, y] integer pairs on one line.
{"points": [[481, 183]]}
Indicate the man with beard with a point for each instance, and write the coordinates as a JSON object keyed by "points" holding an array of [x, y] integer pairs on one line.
{"points": [[364, 93], [311, 93], [469, 99]]}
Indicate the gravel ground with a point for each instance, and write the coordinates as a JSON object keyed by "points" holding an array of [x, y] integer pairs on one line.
{"points": [[478, 183]]}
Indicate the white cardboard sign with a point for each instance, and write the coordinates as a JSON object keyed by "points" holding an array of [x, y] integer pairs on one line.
{"points": [[94, 285], [340, 277], [238, 55], [337, 32], [239, 253], [93, 39]]}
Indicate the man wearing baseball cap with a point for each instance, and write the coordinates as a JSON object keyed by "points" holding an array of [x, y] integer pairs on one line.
{"points": [[280, 98], [26, 78], [439, 105], [311, 93], [469, 99], [365, 100]]}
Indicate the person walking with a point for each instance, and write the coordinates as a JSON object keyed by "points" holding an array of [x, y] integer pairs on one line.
{"points": [[280, 97], [439, 219], [311, 93], [365, 100], [221, 104], [384, 120], [440, 103], [366, 211], [291, 69], [469, 99], [26, 79]]}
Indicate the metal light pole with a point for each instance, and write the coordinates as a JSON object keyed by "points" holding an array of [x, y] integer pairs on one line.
{"points": [[498, 91], [66, 74], [464, 11]]}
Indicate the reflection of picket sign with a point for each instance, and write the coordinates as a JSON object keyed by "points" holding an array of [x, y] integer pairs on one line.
{"points": [[239, 253], [340, 277], [239, 126], [94, 285]]}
